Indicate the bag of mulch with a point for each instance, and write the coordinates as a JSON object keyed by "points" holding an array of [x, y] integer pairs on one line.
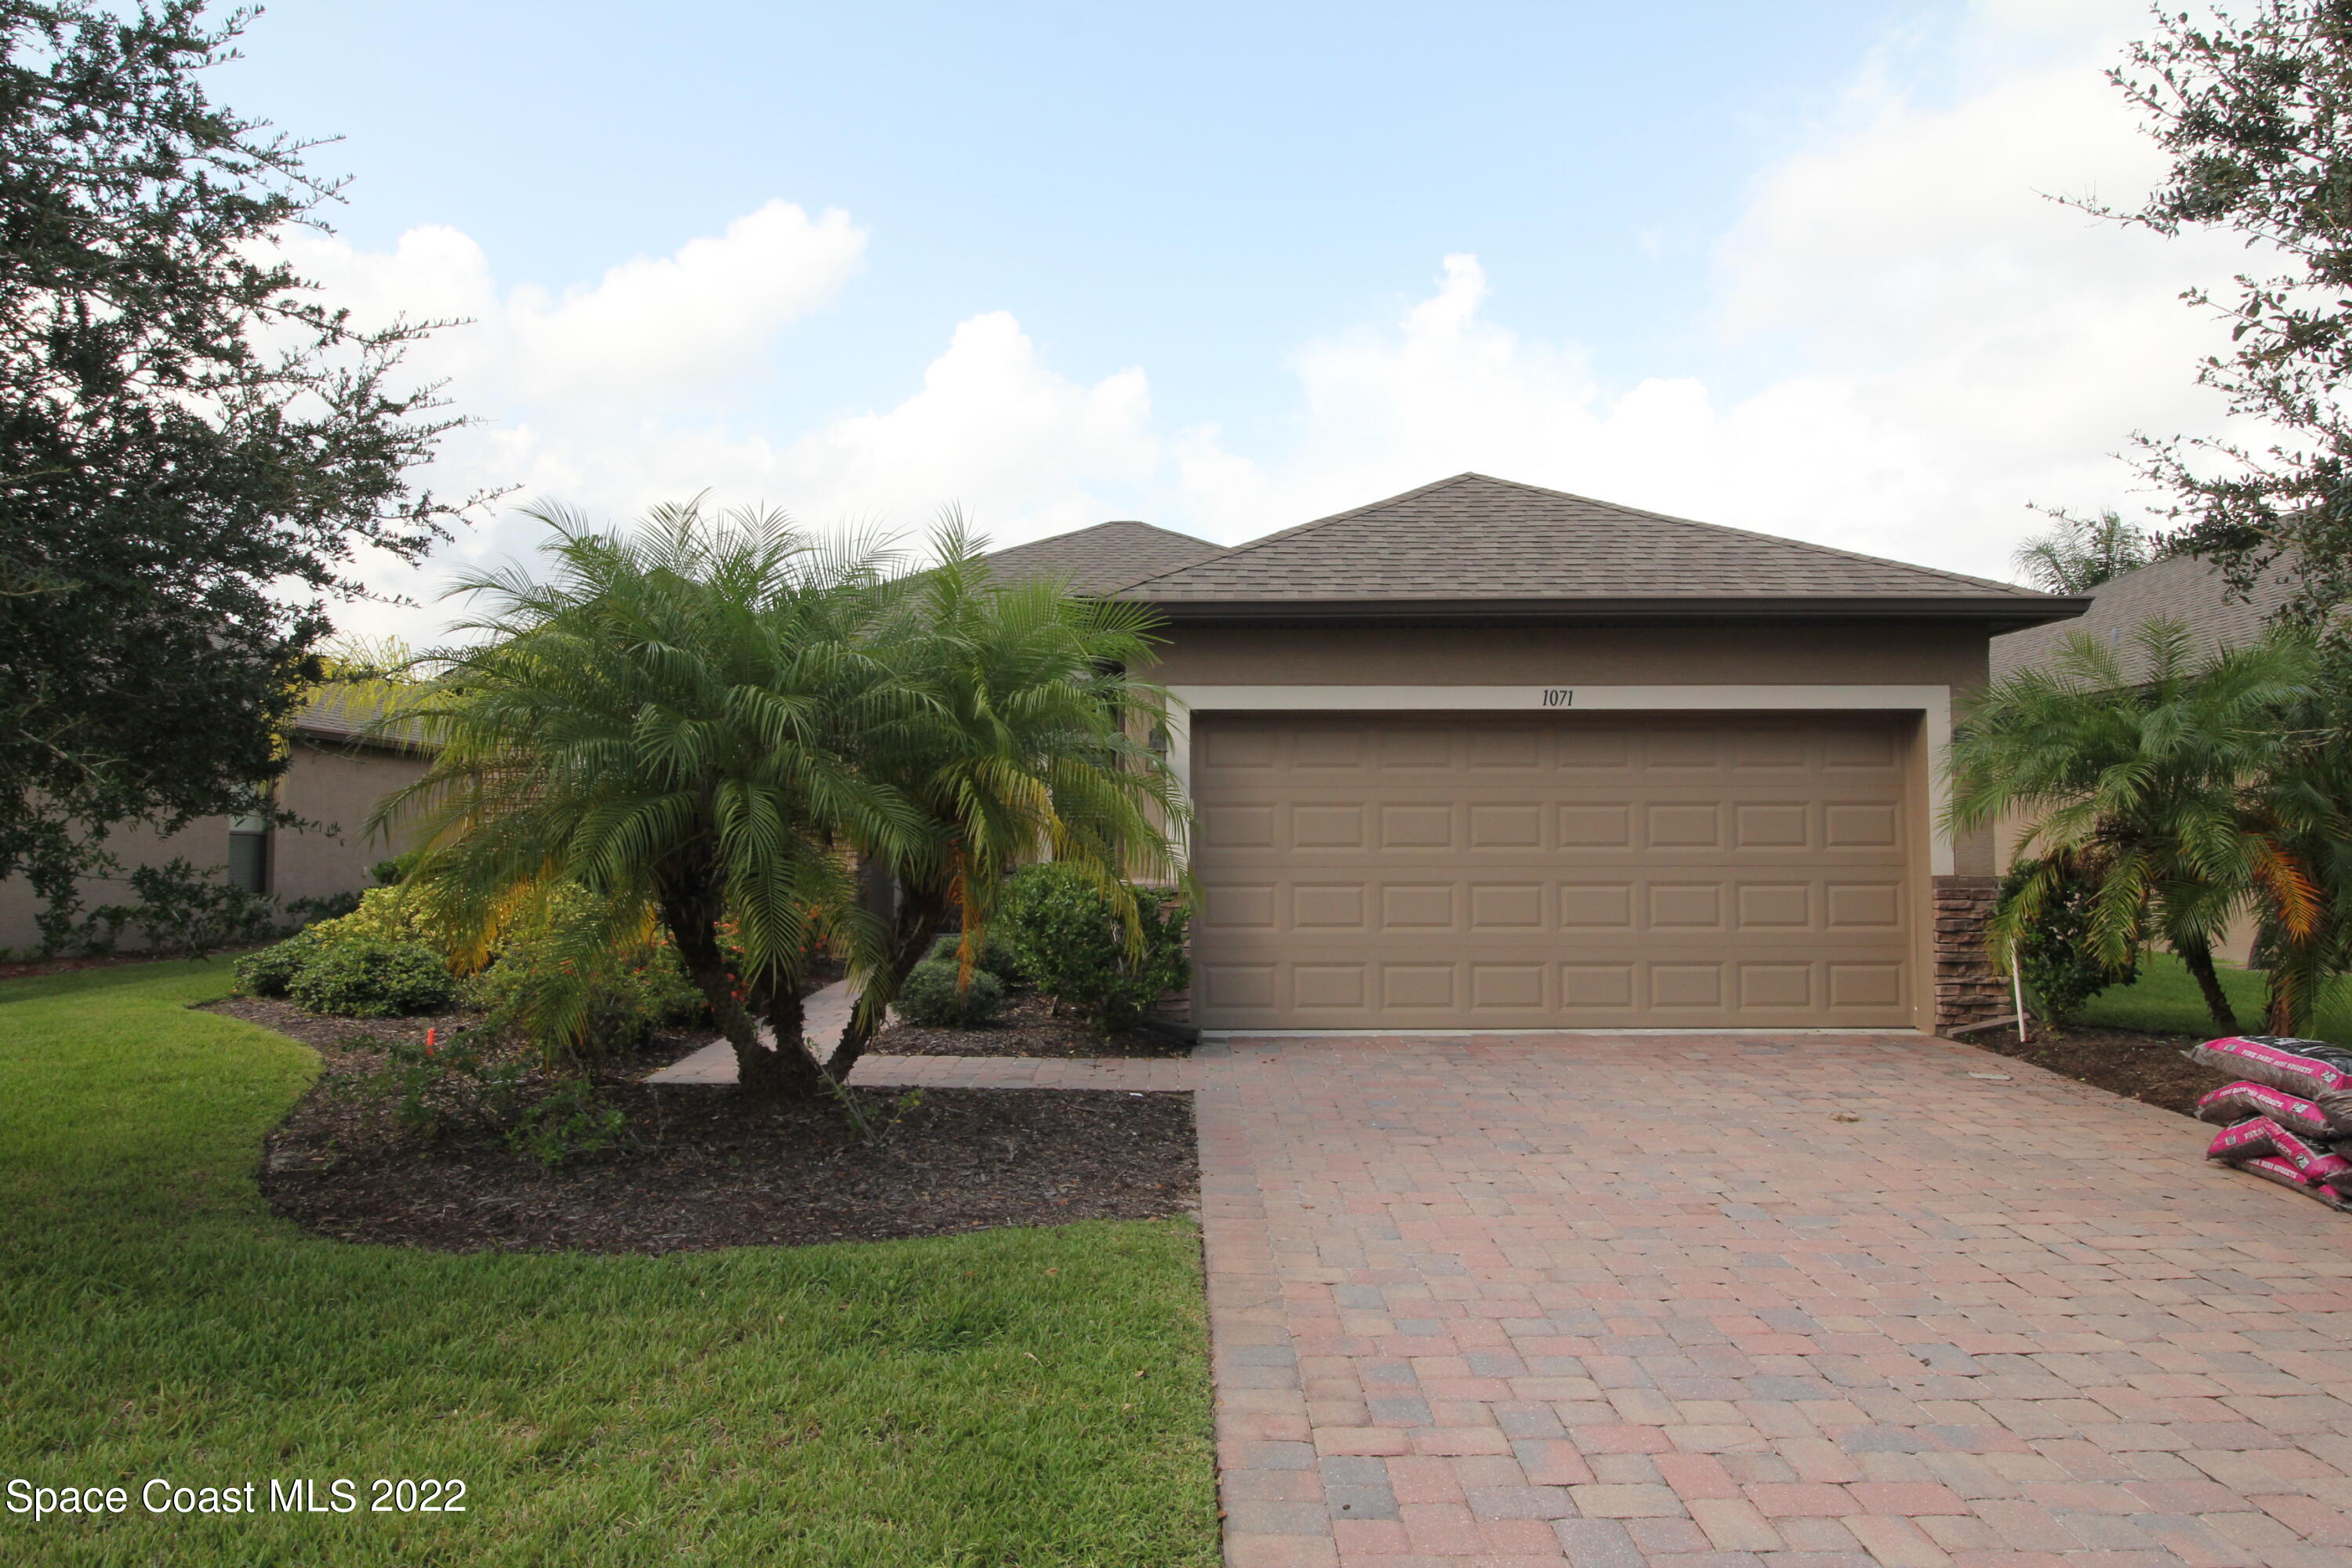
{"points": [[2264, 1061], [2240, 1101], [2335, 1056], [2336, 1105], [2264, 1139], [2287, 1175]]}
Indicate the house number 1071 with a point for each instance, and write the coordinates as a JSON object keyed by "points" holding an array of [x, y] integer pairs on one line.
{"points": [[1560, 696]]}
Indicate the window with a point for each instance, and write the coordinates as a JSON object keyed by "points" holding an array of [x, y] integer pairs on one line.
{"points": [[248, 852]]}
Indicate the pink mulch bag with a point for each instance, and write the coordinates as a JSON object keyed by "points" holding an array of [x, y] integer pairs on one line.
{"points": [[2264, 1139], [2235, 1103], [2336, 1104], [2302, 1076], [2287, 1175]]}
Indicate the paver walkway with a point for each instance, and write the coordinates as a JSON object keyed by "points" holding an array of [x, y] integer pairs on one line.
{"points": [[1729, 1302]]}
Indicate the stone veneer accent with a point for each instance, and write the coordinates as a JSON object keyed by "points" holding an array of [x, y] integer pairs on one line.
{"points": [[1969, 989]]}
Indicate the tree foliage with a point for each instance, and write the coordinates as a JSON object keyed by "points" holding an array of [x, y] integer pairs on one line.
{"points": [[712, 724], [185, 432], [2184, 790], [672, 722], [2054, 955], [1024, 739], [2081, 554], [2255, 114]]}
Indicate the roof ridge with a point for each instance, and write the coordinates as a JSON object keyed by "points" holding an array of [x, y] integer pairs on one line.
{"points": [[1247, 545], [1746, 533], [1925, 574]]}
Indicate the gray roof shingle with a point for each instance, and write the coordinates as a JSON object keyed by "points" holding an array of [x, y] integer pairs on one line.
{"points": [[1472, 537], [1105, 557], [2183, 589]]}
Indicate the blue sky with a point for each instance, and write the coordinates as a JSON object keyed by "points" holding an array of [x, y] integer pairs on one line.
{"points": [[1784, 267]]}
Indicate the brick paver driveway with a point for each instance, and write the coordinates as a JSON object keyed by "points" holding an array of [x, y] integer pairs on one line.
{"points": [[1798, 1301]]}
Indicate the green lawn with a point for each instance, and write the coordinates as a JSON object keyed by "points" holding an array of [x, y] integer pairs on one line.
{"points": [[2165, 1000], [971, 1400]]}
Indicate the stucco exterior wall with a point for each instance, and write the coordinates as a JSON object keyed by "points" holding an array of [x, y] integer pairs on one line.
{"points": [[337, 789], [1890, 654], [334, 787], [1906, 654]]}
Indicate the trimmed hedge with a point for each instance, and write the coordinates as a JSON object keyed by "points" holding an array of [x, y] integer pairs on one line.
{"points": [[929, 996], [1070, 941], [367, 977]]}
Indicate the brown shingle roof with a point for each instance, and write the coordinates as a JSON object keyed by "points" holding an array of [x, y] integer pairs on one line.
{"points": [[1107, 556], [2183, 589], [1472, 539], [334, 716]]}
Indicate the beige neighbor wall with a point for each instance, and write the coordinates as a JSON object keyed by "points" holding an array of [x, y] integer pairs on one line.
{"points": [[334, 786], [1878, 654]]}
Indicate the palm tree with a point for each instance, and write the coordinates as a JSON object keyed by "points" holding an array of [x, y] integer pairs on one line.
{"points": [[671, 721], [2143, 776], [1027, 738], [2080, 553]]}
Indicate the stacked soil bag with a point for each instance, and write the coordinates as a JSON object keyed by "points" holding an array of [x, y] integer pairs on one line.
{"points": [[2288, 1115]]}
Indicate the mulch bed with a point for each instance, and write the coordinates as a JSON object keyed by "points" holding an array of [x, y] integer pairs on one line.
{"points": [[1028, 1028], [701, 1167], [2142, 1067], [341, 1043]]}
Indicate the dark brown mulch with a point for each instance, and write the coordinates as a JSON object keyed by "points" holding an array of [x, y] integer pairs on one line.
{"points": [[1028, 1028], [2142, 1067], [335, 1038], [701, 1167]]}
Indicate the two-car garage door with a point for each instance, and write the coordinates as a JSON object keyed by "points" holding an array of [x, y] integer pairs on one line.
{"points": [[1586, 870]]}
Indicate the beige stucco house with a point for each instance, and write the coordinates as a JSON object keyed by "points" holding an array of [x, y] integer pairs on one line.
{"points": [[334, 775], [1485, 755]]}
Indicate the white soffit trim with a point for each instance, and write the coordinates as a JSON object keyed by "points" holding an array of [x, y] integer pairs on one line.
{"points": [[1932, 703]]}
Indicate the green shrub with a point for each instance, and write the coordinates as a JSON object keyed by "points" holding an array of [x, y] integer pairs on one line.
{"points": [[302, 913], [375, 918], [2060, 970], [1068, 939], [930, 997], [450, 1083], [269, 971], [572, 1122], [557, 981], [389, 872], [366, 977], [996, 954], [184, 910]]}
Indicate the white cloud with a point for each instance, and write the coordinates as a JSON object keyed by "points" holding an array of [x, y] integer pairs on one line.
{"points": [[1951, 345], [1957, 344], [702, 315], [696, 318]]}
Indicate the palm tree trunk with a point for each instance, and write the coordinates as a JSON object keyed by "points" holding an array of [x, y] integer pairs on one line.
{"points": [[786, 1071], [783, 1070], [916, 925], [2199, 957]]}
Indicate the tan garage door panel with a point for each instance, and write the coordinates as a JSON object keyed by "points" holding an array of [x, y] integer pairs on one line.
{"points": [[1579, 871]]}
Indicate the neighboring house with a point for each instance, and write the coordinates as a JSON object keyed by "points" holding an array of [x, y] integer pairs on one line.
{"points": [[334, 776], [1107, 556], [2183, 589], [1490, 756]]}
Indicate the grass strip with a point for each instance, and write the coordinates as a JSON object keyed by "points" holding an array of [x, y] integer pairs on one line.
{"points": [[1013, 1396]]}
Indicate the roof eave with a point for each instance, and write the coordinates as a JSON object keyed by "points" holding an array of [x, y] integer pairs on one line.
{"points": [[1996, 613], [329, 737]]}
